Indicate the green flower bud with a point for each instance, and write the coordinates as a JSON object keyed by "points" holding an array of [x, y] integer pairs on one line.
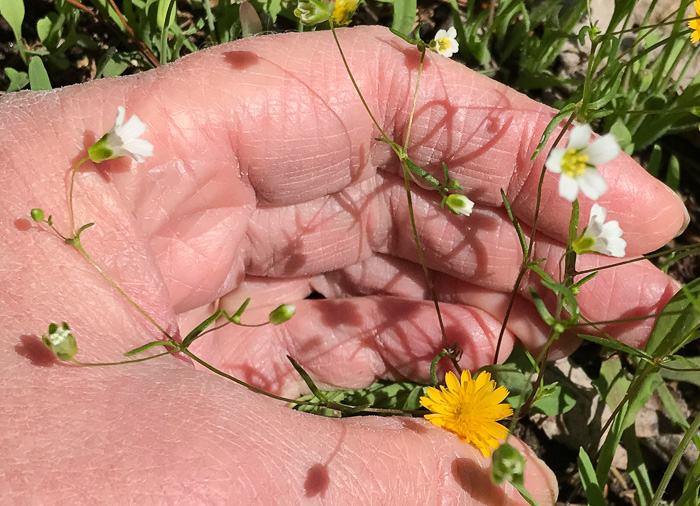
{"points": [[37, 215], [60, 341], [282, 314], [313, 12], [459, 204], [508, 465]]}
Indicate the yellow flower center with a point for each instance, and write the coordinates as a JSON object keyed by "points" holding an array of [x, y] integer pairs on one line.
{"points": [[443, 45], [574, 163]]}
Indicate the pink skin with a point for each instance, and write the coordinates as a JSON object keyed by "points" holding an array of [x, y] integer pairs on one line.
{"points": [[266, 182]]}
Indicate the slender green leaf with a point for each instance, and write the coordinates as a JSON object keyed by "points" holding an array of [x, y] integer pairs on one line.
{"points": [[679, 320], [542, 308], [166, 14], [148, 346], [654, 160], [594, 490], [617, 346], [674, 411], [307, 379], [636, 467], [673, 174], [516, 223]]}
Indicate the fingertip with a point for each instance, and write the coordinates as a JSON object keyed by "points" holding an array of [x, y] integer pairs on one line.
{"points": [[649, 212]]}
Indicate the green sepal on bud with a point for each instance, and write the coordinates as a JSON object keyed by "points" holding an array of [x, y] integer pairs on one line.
{"points": [[99, 152], [313, 12], [60, 341], [282, 314], [459, 204], [37, 215], [583, 244], [508, 465]]}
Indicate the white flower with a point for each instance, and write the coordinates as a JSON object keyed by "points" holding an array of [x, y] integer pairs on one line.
{"points": [[601, 237], [122, 140], [60, 341], [459, 204], [577, 163], [446, 42]]}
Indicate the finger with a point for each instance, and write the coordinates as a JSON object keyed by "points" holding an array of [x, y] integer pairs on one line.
{"points": [[229, 141], [350, 343]]}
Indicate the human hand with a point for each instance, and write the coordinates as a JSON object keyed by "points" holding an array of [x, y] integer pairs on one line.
{"points": [[266, 182]]}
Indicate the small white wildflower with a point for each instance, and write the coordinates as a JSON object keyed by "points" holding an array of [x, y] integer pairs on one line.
{"points": [[445, 42], [122, 140], [459, 204], [577, 163], [600, 237], [60, 341]]}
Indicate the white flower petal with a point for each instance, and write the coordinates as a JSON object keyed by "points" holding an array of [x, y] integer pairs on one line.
{"points": [[616, 247], [121, 112], [592, 184], [607, 237], [133, 129], [452, 32], [568, 187], [598, 211], [441, 34], [139, 149], [611, 230], [580, 136], [553, 162], [603, 150]]}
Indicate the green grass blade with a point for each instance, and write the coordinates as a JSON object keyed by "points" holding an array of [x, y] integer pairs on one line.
{"points": [[594, 492]]}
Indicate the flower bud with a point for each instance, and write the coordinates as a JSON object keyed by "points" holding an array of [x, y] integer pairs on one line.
{"points": [[37, 215], [99, 152], [508, 465], [313, 12], [459, 204], [282, 314], [60, 341]]}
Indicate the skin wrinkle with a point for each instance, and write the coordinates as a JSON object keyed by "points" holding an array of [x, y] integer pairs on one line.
{"points": [[217, 401]]}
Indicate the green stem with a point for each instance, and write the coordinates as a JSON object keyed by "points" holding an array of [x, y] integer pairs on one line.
{"points": [[675, 460], [415, 99], [423, 264], [96, 364], [70, 194], [332, 405], [682, 249], [354, 83], [131, 301], [531, 246]]}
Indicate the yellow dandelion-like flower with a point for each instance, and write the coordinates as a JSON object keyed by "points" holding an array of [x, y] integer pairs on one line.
{"points": [[694, 24], [343, 11], [470, 408]]}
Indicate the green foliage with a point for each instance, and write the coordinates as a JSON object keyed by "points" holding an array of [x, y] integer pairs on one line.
{"points": [[404, 15], [13, 12], [38, 77], [381, 394]]}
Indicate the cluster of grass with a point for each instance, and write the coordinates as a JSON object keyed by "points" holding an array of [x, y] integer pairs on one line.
{"points": [[630, 87]]}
